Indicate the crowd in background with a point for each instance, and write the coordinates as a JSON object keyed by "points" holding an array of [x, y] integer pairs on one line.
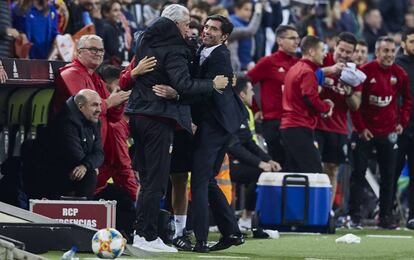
{"points": [[119, 23]]}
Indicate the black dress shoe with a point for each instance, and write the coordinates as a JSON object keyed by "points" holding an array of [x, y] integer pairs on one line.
{"points": [[228, 241], [201, 247]]}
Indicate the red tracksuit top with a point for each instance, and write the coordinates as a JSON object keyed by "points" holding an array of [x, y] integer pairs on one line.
{"points": [[74, 77], [301, 102], [270, 72], [337, 123], [379, 111]]}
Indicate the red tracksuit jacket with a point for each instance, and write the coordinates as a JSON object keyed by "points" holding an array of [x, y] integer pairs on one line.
{"points": [[270, 72], [379, 111], [301, 102]]}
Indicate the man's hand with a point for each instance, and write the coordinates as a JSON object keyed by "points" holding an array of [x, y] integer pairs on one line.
{"points": [[366, 135], [258, 117], [165, 91], [220, 82], [12, 32], [3, 74], [78, 173], [275, 166], [145, 65], [266, 167], [117, 98], [399, 129], [329, 113], [337, 68]]}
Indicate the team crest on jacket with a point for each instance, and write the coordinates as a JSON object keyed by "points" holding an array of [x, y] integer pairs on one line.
{"points": [[393, 80], [373, 81], [281, 70]]}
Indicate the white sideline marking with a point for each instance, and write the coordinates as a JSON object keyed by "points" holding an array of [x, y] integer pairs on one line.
{"points": [[224, 256], [388, 236], [300, 233]]}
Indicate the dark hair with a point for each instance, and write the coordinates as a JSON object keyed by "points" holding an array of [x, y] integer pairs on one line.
{"points": [[362, 42], [348, 38], [282, 29], [309, 42], [407, 32], [109, 73], [383, 39], [241, 84], [107, 5], [203, 6], [226, 25], [239, 3]]}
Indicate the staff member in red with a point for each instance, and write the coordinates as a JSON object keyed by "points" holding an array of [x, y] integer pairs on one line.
{"points": [[301, 107], [270, 72], [331, 133], [379, 121], [80, 74]]}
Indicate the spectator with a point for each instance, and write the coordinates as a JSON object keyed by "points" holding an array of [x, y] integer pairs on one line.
{"points": [[201, 11], [240, 18], [373, 29], [39, 23], [270, 73], [80, 14], [405, 140], [7, 32], [153, 119], [113, 33], [247, 159], [301, 108], [378, 122], [74, 150], [393, 13]]}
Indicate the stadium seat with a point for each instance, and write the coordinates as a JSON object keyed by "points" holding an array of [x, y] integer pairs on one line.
{"points": [[39, 111], [4, 130], [18, 105]]}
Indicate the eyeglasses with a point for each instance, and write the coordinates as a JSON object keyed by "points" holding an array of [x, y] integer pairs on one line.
{"points": [[94, 50]]}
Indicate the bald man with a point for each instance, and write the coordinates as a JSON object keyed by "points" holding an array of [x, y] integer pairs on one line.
{"points": [[74, 148]]}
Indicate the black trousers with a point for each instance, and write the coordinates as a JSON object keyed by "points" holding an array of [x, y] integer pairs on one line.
{"points": [[245, 174], [406, 151], [271, 133], [210, 142], [386, 154], [301, 152], [153, 146]]}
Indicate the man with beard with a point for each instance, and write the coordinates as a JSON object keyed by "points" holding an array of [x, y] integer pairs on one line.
{"points": [[332, 133], [378, 122]]}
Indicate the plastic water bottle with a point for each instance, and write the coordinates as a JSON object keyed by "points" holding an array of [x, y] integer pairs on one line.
{"points": [[70, 255], [86, 18]]}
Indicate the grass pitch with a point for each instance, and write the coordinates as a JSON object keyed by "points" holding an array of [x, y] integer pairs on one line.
{"points": [[375, 244]]}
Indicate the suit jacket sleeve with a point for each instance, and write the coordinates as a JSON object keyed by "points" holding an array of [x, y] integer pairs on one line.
{"points": [[176, 66], [405, 108]]}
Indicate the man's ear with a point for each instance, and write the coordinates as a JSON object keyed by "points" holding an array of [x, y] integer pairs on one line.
{"points": [[403, 45], [224, 37]]}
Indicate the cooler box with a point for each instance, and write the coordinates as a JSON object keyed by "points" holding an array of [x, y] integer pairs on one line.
{"points": [[93, 214], [294, 202]]}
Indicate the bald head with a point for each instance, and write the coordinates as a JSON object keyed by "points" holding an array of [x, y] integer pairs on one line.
{"points": [[89, 103]]}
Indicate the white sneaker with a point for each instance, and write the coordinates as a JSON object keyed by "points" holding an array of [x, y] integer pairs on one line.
{"points": [[159, 245], [141, 243], [245, 224]]}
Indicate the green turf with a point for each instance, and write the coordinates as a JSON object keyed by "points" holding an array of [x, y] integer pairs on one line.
{"points": [[309, 247]]}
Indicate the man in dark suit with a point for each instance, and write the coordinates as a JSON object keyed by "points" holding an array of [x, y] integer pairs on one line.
{"points": [[217, 117]]}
